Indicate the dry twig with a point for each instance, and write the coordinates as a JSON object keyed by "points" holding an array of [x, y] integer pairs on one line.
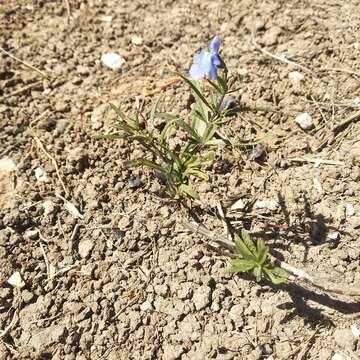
{"points": [[23, 89], [282, 59], [23, 62], [41, 146]]}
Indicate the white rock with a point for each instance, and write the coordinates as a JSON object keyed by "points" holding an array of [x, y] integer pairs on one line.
{"points": [[333, 236], [7, 164], [337, 356], [296, 77], [40, 174], [238, 205], [355, 330], [136, 40], [113, 61], [146, 306], [266, 204], [85, 248], [350, 211], [15, 280], [305, 121], [48, 207], [107, 19]]}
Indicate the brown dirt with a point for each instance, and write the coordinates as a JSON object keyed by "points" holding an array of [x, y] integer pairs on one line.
{"points": [[128, 255]]}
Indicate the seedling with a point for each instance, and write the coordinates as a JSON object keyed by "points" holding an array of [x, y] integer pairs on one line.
{"points": [[255, 259]]}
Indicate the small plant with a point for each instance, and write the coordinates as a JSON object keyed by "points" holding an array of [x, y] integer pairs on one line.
{"points": [[176, 167], [256, 260]]}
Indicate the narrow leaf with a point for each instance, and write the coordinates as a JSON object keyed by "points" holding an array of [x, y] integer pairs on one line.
{"points": [[196, 90], [240, 265], [189, 191]]}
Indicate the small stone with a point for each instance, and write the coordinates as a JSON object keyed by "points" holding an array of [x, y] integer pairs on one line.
{"points": [[202, 297], [350, 211], [334, 236], [49, 207], [31, 234], [282, 349], [296, 78], [186, 291], [40, 175], [161, 290], [344, 338], [324, 354], [85, 248], [236, 315], [271, 36], [305, 121], [266, 204], [338, 356], [136, 40], [27, 296], [355, 330], [146, 306], [113, 61], [61, 125], [7, 164], [134, 182], [238, 205], [15, 280], [172, 352], [354, 221]]}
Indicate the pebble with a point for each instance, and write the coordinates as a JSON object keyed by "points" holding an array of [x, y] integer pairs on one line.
{"points": [[113, 61], [7, 164], [146, 306], [305, 121], [202, 297], [85, 248], [266, 204], [296, 78]]}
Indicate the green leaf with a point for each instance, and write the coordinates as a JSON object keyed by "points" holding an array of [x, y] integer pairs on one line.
{"points": [[181, 123], [216, 142], [196, 90], [145, 162], [224, 85], [262, 251], [257, 273], [123, 126], [189, 191], [118, 112], [243, 249], [276, 275], [248, 242], [109, 136], [241, 265], [153, 113], [216, 87]]}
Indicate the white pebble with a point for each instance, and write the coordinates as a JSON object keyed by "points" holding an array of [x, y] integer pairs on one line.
{"points": [[113, 61], [296, 77], [350, 211], [305, 121], [266, 204]]}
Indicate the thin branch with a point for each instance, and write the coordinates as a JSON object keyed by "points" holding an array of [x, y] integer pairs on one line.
{"points": [[41, 146], [282, 59], [23, 62]]}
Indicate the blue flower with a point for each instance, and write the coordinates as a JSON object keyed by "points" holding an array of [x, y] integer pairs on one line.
{"points": [[206, 63]]}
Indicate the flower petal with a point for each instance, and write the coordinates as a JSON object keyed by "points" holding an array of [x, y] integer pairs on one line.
{"points": [[215, 45], [201, 66]]}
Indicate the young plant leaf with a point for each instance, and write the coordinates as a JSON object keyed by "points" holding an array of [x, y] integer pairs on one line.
{"points": [[118, 112], [196, 90], [189, 191], [241, 265]]}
